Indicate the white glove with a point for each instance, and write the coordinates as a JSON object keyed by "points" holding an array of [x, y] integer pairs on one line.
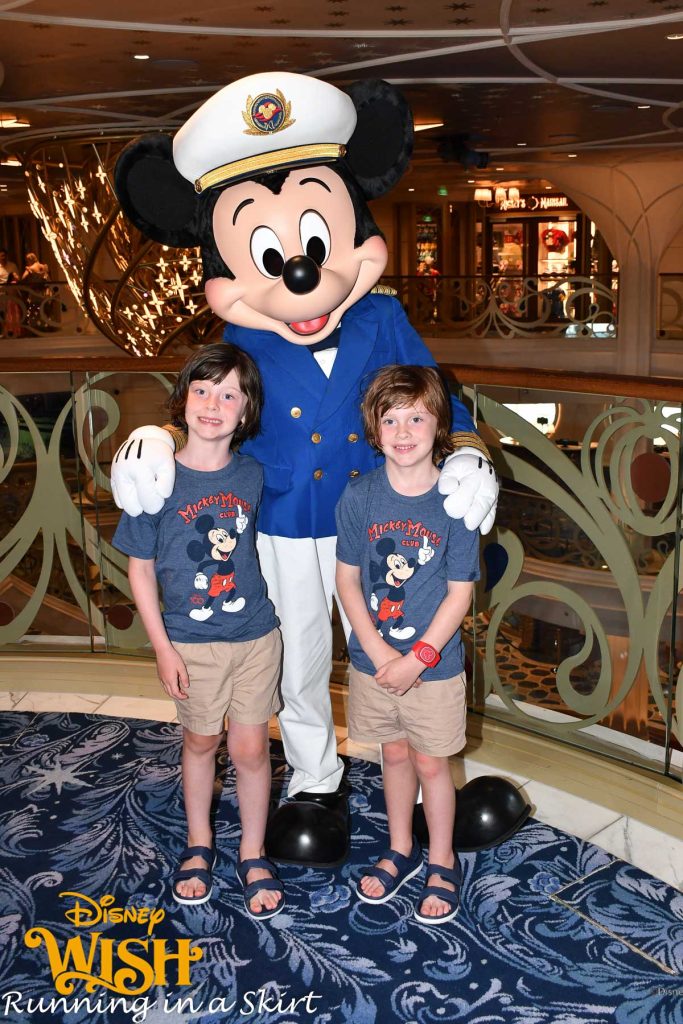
{"points": [[374, 602], [425, 553], [143, 471], [241, 520], [201, 582], [469, 481]]}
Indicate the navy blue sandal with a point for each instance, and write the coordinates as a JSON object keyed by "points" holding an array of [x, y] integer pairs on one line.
{"points": [[406, 867], [453, 875], [251, 888], [202, 874]]}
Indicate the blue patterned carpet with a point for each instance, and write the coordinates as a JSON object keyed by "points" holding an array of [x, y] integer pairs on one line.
{"points": [[552, 930]]}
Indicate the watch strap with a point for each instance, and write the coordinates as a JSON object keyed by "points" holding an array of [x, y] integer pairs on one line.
{"points": [[425, 653]]}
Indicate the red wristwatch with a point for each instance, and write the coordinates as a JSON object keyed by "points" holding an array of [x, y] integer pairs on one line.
{"points": [[427, 654]]}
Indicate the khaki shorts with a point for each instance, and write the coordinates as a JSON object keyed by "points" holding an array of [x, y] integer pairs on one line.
{"points": [[239, 680], [431, 717]]}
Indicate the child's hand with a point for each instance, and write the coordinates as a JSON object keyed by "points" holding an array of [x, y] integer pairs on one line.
{"points": [[172, 673], [400, 674]]}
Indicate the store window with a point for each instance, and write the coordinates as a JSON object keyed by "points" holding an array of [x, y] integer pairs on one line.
{"points": [[427, 234], [508, 248], [556, 248]]}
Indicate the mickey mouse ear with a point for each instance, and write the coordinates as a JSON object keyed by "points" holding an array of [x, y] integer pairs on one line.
{"points": [[153, 195], [380, 148]]}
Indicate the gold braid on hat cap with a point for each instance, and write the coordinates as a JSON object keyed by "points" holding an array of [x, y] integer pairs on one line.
{"points": [[293, 156]]}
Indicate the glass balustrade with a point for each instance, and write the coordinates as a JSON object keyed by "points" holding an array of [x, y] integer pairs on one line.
{"points": [[576, 628]]}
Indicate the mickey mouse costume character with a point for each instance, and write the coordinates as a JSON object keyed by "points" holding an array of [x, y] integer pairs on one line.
{"points": [[270, 177]]}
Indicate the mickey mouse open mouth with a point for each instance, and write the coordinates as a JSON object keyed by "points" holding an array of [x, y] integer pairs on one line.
{"points": [[310, 326]]}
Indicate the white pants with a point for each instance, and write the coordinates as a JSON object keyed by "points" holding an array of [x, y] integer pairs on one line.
{"points": [[300, 578]]}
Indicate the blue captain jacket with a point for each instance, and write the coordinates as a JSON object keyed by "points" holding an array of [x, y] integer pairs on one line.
{"points": [[311, 441]]}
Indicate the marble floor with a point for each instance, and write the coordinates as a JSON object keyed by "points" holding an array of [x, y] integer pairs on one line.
{"points": [[649, 835]]}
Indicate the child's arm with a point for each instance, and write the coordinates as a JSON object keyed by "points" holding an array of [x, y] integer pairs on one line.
{"points": [[399, 675], [170, 666], [351, 596]]}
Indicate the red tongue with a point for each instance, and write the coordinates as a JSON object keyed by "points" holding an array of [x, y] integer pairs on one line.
{"points": [[310, 326]]}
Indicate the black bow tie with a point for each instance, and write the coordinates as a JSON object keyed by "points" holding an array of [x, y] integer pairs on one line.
{"points": [[331, 342]]}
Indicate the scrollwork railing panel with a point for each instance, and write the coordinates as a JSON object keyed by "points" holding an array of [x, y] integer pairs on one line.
{"points": [[509, 306], [622, 496]]}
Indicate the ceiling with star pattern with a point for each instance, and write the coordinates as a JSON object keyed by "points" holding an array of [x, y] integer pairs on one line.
{"points": [[519, 80]]}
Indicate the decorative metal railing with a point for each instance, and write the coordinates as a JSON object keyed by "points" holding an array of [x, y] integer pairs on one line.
{"points": [[576, 625], [510, 305], [506, 307], [30, 312]]}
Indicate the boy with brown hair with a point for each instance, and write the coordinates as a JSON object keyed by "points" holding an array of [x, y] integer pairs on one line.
{"points": [[405, 572], [217, 643]]}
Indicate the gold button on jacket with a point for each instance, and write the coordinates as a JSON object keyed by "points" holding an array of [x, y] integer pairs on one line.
{"points": [[352, 437], [295, 412], [354, 473], [318, 474], [316, 438]]}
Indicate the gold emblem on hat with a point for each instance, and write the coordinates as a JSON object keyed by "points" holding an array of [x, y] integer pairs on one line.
{"points": [[268, 113]]}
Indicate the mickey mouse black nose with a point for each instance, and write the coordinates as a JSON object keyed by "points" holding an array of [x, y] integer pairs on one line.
{"points": [[301, 274]]}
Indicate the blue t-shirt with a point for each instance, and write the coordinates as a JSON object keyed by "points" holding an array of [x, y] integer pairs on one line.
{"points": [[408, 549], [203, 543]]}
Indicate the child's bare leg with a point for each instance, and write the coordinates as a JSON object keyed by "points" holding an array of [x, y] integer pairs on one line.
{"points": [[248, 749], [438, 801], [199, 772], [400, 792]]}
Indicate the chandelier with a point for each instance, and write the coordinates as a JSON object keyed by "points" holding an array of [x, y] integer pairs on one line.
{"points": [[142, 295], [500, 196]]}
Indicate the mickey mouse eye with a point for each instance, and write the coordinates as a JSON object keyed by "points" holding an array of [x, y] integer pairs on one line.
{"points": [[267, 252], [315, 237]]}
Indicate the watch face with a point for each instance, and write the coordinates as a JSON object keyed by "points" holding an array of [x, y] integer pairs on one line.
{"points": [[427, 654]]}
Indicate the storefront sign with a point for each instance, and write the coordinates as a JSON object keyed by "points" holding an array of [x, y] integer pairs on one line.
{"points": [[533, 203]]}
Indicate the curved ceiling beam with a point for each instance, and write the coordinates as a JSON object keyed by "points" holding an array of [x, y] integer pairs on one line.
{"points": [[223, 30], [507, 37], [547, 76], [619, 142]]}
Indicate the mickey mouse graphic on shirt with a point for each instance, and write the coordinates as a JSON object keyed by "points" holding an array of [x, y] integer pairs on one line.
{"points": [[393, 572], [215, 549]]}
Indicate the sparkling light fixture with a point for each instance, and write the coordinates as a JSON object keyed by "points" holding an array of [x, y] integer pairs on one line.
{"points": [[141, 295]]}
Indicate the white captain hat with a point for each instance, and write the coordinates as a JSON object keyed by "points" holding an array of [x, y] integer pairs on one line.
{"points": [[262, 122]]}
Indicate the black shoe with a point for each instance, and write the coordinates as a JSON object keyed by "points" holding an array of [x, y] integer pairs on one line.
{"points": [[488, 810], [337, 801], [312, 829]]}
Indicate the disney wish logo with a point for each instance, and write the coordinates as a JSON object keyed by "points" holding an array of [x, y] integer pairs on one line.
{"points": [[129, 967]]}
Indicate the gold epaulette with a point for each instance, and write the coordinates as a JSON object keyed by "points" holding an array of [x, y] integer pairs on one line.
{"points": [[467, 439], [384, 289], [178, 434]]}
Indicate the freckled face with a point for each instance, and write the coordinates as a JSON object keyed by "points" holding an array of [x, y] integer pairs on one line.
{"points": [[295, 265], [407, 436], [214, 411]]}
